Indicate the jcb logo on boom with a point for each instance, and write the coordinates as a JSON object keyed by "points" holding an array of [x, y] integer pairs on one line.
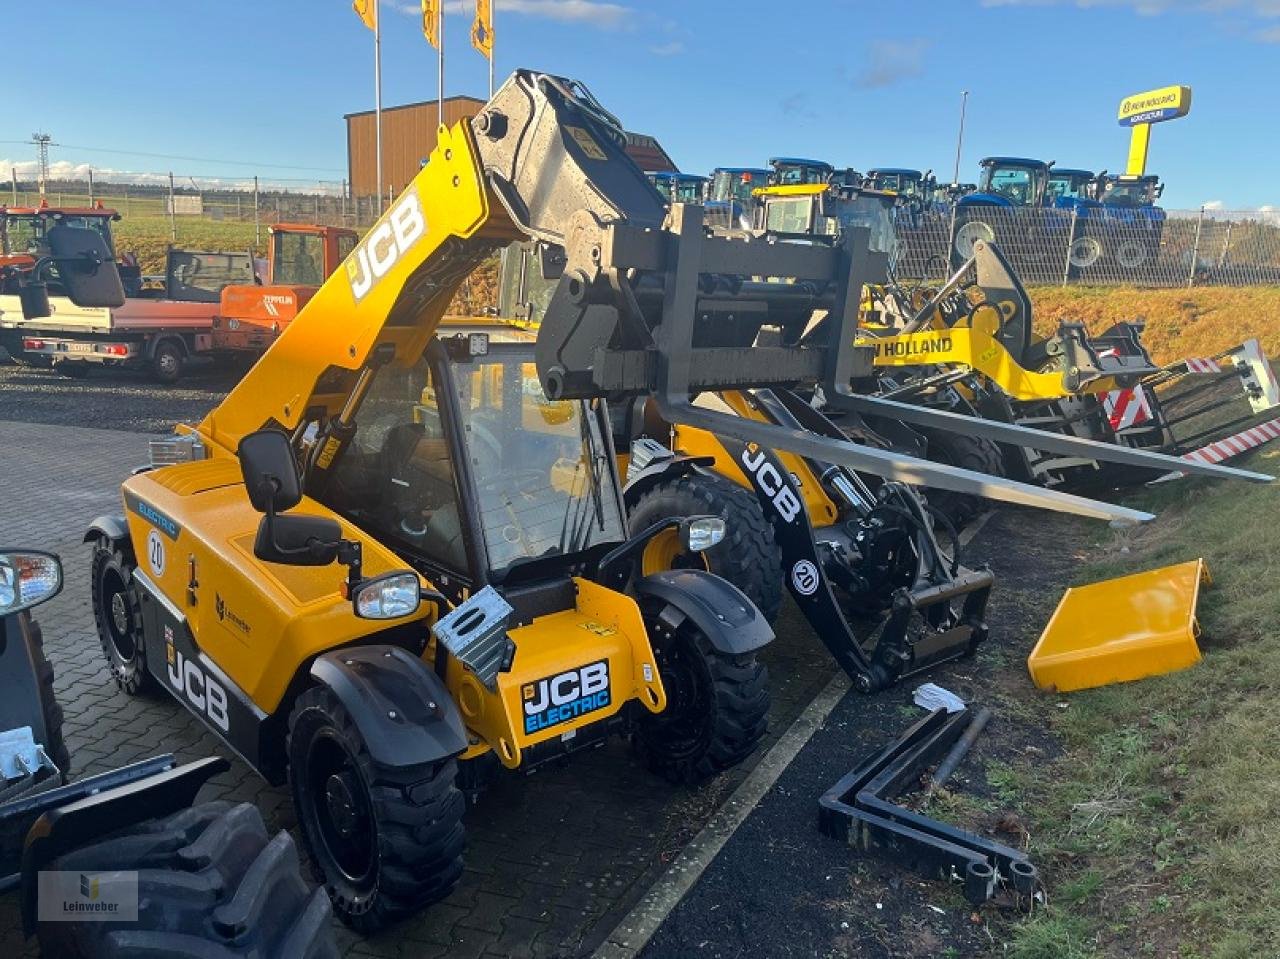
{"points": [[386, 243], [771, 482], [205, 695]]}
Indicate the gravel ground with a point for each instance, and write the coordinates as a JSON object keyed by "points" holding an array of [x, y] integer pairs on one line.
{"points": [[111, 399]]}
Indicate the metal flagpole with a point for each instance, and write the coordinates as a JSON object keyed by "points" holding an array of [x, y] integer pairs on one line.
{"points": [[440, 63], [492, 16], [377, 92], [964, 102]]}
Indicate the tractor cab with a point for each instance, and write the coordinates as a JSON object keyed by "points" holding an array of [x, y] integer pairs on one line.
{"points": [[911, 184], [1010, 182], [793, 171], [302, 254], [678, 187], [24, 233], [729, 197], [1072, 189], [1124, 190], [812, 209]]}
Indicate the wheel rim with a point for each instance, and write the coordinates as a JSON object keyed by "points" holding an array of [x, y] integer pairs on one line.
{"points": [[1131, 254], [119, 616], [970, 232], [337, 803], [682, 726], [665, 551], [167, 362], [1085, 251]]}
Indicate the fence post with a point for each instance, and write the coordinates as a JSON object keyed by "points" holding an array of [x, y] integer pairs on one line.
{"points": [[13, 183], [1071, 238], [1226, 246], [949, 245], [257, 226], [1195, 250], [91, 186], [126, 201], [317, 199], [173, 222]]}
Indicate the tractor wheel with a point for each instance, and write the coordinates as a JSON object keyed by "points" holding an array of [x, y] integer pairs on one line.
{"points": [[1085, 252], [385, 841], [55, 745], [1132, 254], [209, 882], [118, 614], [748, 556], [968, 452], [166, 362], [717, 704], [967, 232]]}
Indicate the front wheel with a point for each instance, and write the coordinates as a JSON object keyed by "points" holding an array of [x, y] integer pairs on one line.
{"points": [[748, 556], [118, 615], [717, 705], [968, 452], [166, 364], [385, 841], [969, 232]]}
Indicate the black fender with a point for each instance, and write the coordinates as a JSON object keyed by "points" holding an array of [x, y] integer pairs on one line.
{"points": [[403, 710], [20, 703], [109, 526], [651, 476], [719, 609]]}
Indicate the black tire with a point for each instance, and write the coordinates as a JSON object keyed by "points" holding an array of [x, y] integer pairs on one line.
{"points": [[210, 883], [118, 615], [748, 556], [72, 369], [968, 452], [394, 845], [166, 362], [717, 705], [55, 745]]}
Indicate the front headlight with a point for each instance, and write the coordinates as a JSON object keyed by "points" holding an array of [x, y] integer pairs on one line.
{"points": [[27, 578], [699, 533], [388, 597]]}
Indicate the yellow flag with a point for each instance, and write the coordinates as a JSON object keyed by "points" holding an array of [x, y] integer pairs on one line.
{"points": [[482, 28], [366, 10], [431, 21]]}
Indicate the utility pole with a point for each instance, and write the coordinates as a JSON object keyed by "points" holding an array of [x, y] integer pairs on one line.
{"points": [[13, 184], [41, 140], [91, 186], [964, 102], [173, 223], [257, 226]]}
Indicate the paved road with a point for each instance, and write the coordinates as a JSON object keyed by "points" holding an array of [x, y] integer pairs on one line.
{"points": [[554, 859]]}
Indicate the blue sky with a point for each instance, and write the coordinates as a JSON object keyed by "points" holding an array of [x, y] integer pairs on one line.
{"points": [[718, 82]]}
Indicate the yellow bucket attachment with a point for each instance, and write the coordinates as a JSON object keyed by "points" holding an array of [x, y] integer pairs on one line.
{"points": [[1121, 629]]}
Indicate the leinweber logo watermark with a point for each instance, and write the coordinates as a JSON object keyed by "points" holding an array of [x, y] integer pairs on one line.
{"points": [[87, 896]]}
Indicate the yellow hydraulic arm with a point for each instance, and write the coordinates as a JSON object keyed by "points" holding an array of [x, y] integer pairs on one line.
{"points": [[649, 302]]}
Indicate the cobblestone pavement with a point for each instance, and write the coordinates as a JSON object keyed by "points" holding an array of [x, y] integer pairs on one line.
{"points": [[554, 859]]}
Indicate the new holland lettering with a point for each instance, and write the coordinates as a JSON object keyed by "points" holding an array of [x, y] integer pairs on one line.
{"points": [[565, 696], [900, 347]]}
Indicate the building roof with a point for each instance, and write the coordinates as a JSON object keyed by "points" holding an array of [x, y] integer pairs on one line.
{"points": [[648, 154], [415, 105]]}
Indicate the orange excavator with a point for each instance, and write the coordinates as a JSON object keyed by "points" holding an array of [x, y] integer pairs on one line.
{"points": [[300, 256]]}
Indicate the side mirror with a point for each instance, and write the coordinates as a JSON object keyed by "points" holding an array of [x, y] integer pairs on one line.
{"points": [[270, 472], [27, 578], [298, 540], [34, 297], [698, 533], [85, 267]]}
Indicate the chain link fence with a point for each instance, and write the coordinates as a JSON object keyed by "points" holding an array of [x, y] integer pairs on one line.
{"points": [[1131, 247]]}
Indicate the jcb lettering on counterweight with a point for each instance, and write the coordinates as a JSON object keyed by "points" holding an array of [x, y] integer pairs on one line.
{"points": [[204, 694], [771, 483], [386, 243]]}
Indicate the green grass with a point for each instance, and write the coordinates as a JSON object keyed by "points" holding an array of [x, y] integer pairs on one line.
{"points": [[1159, 826], [148, 237]]}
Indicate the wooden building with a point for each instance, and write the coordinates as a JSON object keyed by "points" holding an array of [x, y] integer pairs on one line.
{"points": [[409, 136]]}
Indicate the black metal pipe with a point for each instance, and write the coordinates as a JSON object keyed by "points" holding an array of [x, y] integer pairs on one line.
{"points": [[961, 748]]}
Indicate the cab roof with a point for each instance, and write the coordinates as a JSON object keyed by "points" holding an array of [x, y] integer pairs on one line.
{"points": [[672, 175], [1014, 161], [1071, 172], [894, 171], [741, 169], [799, 161]]}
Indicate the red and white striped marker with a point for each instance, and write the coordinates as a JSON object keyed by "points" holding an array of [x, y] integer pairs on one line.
{"points": [[1197, 365], [1126, 407], [1241, 442]]}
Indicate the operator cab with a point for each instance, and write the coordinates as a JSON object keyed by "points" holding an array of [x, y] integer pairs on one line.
{"points": [[678, 187], [1014, 181], [24, 237], [735, 184], [471, 474], [1123, 190], [911, 184], [304, 255], [793, 171]]}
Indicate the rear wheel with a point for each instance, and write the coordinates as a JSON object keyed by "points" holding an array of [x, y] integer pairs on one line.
{"points": [[118, 615], [210, 882], [748, 556], [967, 452], [967, 233], [717, 705], [166, 363], [385, 841], [1085, 252]]}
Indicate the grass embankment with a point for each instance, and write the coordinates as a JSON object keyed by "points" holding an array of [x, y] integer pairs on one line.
{"points": [[1159, 825], [1180, 323]]}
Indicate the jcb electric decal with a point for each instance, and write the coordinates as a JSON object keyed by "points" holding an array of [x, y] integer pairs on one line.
{"points": [[770, 482], [916, 346], [203, 692], [386, 243], [152, 515], [565, 696]]}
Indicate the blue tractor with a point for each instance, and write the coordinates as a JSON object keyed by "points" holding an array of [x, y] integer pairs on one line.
{"points": [[1129, 202], [794, 171], [678, 187], [729, 194]]}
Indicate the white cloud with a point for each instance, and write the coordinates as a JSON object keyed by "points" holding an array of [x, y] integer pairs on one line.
{"points": [[66, 170], [593, 12], [671, 49], [889, 61], [1213, 205]]}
